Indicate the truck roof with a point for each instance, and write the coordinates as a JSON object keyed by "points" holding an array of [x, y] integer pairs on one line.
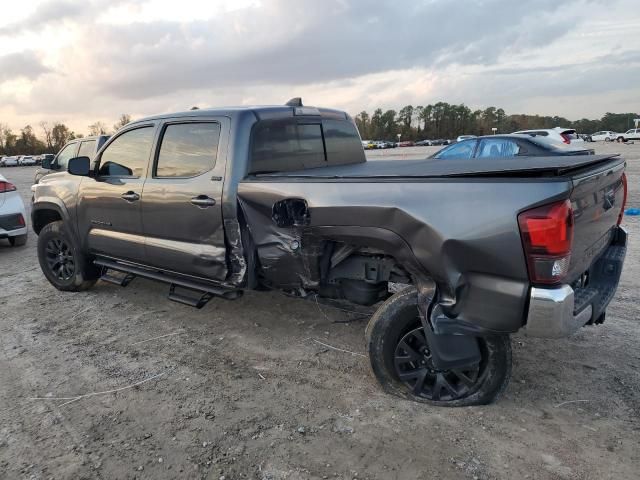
{"points": [[262, 112]]}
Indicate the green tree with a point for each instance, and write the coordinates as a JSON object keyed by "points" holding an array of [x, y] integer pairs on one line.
{"points": [[60, 134]]}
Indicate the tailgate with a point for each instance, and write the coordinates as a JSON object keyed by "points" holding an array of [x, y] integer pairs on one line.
{"points": [[597, 199]]}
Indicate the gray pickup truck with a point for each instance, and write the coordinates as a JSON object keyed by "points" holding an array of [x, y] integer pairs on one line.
{"points": [[215, 202]]}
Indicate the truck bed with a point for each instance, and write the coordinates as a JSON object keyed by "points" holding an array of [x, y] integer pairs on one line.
{"points": [[442, 168]]}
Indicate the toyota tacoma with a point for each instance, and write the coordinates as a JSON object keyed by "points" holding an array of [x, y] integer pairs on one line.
{"points": [[216, 202]]}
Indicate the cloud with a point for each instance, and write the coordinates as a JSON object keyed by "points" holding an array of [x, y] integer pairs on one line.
{"points": [[300, 42], [354, 54], [25, 65]]}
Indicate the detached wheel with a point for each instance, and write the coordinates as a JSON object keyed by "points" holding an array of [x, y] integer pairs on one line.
{"points": [[401, 359], [18, 240], [62, 262]]}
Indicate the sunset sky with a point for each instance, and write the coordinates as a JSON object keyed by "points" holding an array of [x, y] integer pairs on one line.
{"points": [[82, 61]]}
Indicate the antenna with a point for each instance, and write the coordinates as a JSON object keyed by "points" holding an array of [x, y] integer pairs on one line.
{"points": [[294, 102]]}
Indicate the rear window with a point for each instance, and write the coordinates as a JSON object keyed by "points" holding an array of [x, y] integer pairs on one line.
{"points": [[297, 144]]}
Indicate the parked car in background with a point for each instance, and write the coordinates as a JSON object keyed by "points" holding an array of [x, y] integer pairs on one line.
{"points": [[603, 136], [11, 161], [80, 147], [45, 157], [465, 137], [407, 143], [565, 135], [510, 145], [26, 160], [632, 134], [424, 143], [13, 225]]}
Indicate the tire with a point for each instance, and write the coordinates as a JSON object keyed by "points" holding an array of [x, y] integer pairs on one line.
{"points": [[398, 320], [18, 240], [63, 264], [620, 139], [607, 139]]}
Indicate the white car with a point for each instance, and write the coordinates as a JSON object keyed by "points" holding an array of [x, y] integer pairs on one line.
{"points": [[564, 135], [604, 136], [10, 162], [26, 160], [633, 134], [13, 216]]}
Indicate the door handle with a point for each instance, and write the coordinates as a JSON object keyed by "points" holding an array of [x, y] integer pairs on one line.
{"points": [[203, 201], [130, 196]]}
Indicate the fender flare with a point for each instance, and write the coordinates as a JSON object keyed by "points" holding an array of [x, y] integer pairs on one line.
{"points": [[52, 204]]}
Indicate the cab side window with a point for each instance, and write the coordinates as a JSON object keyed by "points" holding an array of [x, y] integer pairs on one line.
{"points": [[66, 154], [128, 154], [188, 149]]}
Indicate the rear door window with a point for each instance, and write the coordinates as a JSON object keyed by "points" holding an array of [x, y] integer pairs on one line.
{"points": [[499, 147], [188, 149]]}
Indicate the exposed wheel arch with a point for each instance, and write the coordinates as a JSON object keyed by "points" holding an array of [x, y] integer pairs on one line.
{"points": [[41, 217]]}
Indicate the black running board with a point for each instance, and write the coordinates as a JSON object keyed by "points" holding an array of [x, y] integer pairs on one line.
{"points": [[204, 291], [121, 281]]}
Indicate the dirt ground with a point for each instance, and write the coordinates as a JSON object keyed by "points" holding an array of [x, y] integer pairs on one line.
{"points": [[243, 390]]}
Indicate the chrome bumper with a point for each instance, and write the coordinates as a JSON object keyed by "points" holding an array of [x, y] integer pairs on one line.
{"points": [[551, 313]]}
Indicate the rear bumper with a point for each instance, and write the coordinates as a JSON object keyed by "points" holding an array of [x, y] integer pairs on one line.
{"points": [[559, 312]]}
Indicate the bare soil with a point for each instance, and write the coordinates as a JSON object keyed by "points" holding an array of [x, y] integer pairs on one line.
{"points": [[243, 390]]}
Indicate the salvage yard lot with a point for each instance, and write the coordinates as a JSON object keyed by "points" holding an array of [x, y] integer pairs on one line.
{"points": [[244, 390]]}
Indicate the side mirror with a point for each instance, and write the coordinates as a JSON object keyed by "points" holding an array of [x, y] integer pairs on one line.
{"points": [[79, 166], [46, 163]]}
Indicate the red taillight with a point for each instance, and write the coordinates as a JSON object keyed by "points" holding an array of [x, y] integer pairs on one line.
{"points": [[565, 138], [7, 187], [547, 236], [624, 197], [21, 220]]}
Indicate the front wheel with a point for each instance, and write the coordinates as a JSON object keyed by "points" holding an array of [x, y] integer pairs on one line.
{"points": [[62, 262], [401, 359]]}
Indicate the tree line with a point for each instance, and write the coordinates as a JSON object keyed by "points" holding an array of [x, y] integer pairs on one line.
{"points": [[441, 120], [444, 120], [53, 136]]}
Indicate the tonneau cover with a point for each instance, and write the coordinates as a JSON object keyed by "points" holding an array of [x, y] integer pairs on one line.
{"points": [[514, 166]]}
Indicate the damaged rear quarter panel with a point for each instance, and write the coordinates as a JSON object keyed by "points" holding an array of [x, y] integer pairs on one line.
{"points": [[461, 232]]}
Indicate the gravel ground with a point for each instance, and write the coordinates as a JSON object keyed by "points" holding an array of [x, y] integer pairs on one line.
{"points": [[243, 390]]}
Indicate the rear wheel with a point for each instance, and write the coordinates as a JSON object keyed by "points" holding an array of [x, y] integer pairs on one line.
{"points": [[18, 240], [401, 359], [607, 139], [62, 262]]}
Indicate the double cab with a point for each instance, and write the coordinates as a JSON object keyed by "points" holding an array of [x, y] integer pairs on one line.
{"points": [[454, 255]]}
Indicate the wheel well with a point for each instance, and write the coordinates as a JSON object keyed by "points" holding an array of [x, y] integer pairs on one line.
{"points": [[359, 274], [43, 217]]}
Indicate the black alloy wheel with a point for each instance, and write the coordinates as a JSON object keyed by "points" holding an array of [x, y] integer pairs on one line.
{"points": [[414, 367], [60, 261]]}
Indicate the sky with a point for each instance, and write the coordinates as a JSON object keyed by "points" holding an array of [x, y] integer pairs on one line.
{"points": [[79, 62]]}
